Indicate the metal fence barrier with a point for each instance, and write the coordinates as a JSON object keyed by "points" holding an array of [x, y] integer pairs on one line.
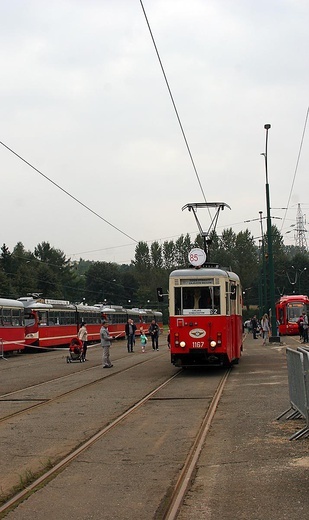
{"points": [[298, 378]]}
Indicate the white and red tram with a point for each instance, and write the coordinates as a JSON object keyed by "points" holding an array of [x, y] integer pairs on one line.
{"points": [[205, 307], [12, 329], [117, 317], [47, 323], [50, 323]]}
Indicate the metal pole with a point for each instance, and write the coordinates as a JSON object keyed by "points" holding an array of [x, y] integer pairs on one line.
{"points": [[264, 284], [274, 336]]}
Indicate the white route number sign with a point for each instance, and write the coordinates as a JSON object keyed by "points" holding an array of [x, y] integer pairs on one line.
{"points": [[197, 257]]}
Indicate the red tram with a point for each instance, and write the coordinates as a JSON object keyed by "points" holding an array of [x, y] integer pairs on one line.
{"points": [[205, 307], [51, 323], [47, 323], [117, 317], [288, 310], [12, 330]]}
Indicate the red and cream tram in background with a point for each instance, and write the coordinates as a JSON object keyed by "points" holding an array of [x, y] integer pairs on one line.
{"points": [[117, 317], [205, 307], [47, 323], [12, 329], [50, 323], [288, 310]]}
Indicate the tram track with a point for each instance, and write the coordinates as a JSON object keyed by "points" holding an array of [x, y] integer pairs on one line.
{"points": [[185, 477], [41, 402], [172, 501], [48, 475]]}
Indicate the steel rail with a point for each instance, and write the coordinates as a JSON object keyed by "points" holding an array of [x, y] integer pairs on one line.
{"points": [[39, 482], [185, 476], [45, 402]]}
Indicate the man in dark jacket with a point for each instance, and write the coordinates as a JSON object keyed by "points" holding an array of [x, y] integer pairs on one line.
{"points": [[154, 333], [130, 329]]}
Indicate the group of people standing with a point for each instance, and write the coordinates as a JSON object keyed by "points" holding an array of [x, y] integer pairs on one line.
{"points": [[261, 327], [130, 330]]}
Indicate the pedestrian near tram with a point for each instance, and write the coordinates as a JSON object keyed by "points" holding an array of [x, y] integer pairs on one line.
{"points": [[265, 328], [254, 326], [305, 327], [105, 343], [154, 333], [130, 329], [300, 323], [143, 339], [83, 337]]}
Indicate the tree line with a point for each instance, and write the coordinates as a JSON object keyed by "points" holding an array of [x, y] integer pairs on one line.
{"points": [[47, 271]]}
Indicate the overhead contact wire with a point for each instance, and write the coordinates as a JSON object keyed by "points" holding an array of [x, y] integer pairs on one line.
{"points": [[296, 167], [174, 104], [68, 193]]}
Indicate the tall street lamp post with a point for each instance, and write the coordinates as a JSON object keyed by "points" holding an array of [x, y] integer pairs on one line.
{"points": [[274, 337], [263, 282]]}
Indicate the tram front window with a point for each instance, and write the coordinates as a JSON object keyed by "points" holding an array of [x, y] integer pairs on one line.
{"points": [[197, 300], [295, 310]]}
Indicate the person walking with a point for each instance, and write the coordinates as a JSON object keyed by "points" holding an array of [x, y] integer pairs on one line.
{"points": [[105, 343], [169, 338], [305, 327], [83, 337], [300, 323], [154, 333], [143, 339], [254, 326], [265, 328], [130, 329]]}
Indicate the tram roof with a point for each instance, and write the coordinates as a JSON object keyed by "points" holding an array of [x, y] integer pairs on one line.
{"points": [[7, 302], [81, 307], [203, 272], [293, 298]]}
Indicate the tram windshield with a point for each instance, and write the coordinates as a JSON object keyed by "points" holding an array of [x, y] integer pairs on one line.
{"points": [[197, 300], [295, 310]]}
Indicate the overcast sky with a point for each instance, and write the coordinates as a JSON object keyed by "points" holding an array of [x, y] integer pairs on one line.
{"points": [[83, 99]]}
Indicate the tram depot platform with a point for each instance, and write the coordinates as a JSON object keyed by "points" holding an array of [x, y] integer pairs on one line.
{"points": [[249, 469]]}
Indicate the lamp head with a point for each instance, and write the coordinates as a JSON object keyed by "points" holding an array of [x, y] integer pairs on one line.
{"points": [[267, 127]]}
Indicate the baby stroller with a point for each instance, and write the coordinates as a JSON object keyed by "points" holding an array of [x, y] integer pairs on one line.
{"points": [[75, 351]]}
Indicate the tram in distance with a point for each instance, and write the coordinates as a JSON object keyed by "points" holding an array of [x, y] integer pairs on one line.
{"points": [[205, 307], [288, 311], [12, 329], [47, 323]]}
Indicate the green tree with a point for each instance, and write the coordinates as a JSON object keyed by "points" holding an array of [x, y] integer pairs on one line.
{"points": [[156, 255], [183, 245], [168, 252], [226, 251]]}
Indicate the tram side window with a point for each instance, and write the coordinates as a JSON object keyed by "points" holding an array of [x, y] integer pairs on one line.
{"points": [[6, 317], [29, 319], [67, 318], [43, 318], [178, 307], [16, 318], [216, 299], [227, 298]]}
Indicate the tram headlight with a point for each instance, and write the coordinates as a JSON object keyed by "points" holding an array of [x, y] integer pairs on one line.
{"points": [[182, 344], [213, 344]]}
